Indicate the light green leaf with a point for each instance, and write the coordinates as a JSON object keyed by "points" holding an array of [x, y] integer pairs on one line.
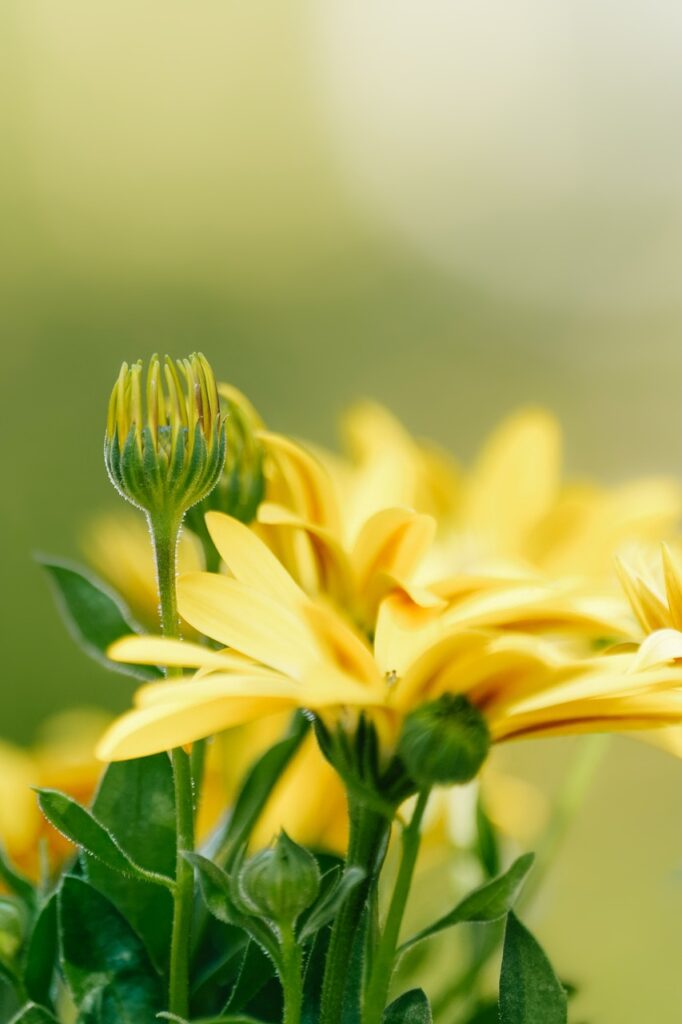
{"points": [[256, 790], [94, 614], [104, 962], [328, 906], [42, 953], [32, 1014], [135, 802], [81, 827], [530, 992], [488, 903], [410, 1008]]}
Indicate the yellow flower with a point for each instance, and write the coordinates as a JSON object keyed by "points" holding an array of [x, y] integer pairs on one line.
{"points": [[511, 509], [288, 651]]}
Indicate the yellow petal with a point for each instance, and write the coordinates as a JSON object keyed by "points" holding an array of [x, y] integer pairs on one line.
{"points": [[346, 649], [661, 646], [250, 561], [159, 650], [308, 484], [393, 541], [166, 725], [254, 624], [673, 585]]}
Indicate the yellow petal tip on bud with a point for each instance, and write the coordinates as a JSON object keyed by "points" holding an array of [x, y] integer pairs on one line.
{"points": [[164, 445]]}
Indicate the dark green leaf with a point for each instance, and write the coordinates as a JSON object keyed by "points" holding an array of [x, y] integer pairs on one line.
{"points": [[488, 903], [15, 881], [410, 1008], [231, 1018], [256, 790], [42, 954], [486, 842], [32, 1014], [312, 979], [94, 614], [105, 964], [256, 970], [328, 907], [81, 827], [136, 803], [530, 992]]}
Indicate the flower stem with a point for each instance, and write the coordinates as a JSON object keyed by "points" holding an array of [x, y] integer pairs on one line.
{"points": [[291, 978], [165, 532], [382, 971], [369, 832]]}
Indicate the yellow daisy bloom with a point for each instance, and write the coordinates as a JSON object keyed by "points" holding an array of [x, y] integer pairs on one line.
{"points": [[288, 651]]}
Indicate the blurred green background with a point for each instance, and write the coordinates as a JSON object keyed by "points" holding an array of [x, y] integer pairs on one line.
{"points": [[454, 210]]}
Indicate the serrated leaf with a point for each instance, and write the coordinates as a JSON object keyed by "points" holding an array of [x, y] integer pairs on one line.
{"points": [[42, 953], [94, 614], [530, 992], [256, 791], [490, 902], [135, 801], [79, 825], [15, 881], [32, 1014], [328, 907], [410, 1008], [106, 966]]}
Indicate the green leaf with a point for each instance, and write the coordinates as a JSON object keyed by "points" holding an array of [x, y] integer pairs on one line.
{"points": [[94, 614], [486, 842], [329, 905], [42, 953], [488, 903], [16, 882], [313, 976], [256, 791], [256, 970], [104, 962], [231, 1018], [32, 1014], [410, 1008], [530, 992], [81, 827], [135, 802]]}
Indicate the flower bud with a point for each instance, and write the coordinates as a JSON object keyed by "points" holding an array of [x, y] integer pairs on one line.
{"points": [[281, 882], [164, 446], [241, 486], [444, 742]]}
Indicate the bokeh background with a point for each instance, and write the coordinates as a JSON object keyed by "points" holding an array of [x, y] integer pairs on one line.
{"points": [[455, 208]]}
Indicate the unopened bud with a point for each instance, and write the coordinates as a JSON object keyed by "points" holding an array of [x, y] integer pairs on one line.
{"points": [[444, 742], [164, 446], [281, 882]]}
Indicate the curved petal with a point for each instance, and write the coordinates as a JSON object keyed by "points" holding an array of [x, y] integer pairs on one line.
{"points": [[238, 616], [309, 487], [392, 542], [661, 646], [161, 650], [250, 561]]}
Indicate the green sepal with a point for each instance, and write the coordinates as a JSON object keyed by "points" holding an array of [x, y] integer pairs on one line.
{"points": [[489, 902], [410, 1008], [530, 992], [42, 953], [81, 827], [135, 801], [105, 964], [219, 897], [33, 1014], [94, 615]]}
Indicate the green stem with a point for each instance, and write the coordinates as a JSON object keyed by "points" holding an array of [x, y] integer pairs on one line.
{"points": [[291, 978], [165, 532], [384, 963], [368, 837]]}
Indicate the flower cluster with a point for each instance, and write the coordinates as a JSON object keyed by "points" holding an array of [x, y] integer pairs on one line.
{"points": [[328, 654]]}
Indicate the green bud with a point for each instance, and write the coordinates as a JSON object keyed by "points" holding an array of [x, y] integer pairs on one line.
{"points": [[11, 928], [444, 742], [281, 882], [165, 450], [241, 486]]}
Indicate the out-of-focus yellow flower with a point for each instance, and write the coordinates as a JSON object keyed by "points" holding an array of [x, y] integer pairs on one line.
{"points": [[511, 508], [288, 651]]}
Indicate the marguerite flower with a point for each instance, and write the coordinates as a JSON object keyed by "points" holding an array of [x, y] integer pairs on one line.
{"points": [[289, 651]]}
